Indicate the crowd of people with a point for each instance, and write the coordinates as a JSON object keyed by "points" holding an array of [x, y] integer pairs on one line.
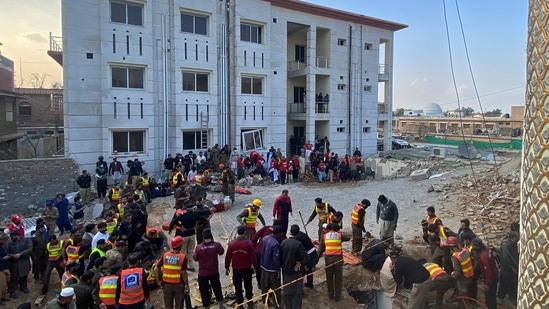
{"points": [[455, 260]]}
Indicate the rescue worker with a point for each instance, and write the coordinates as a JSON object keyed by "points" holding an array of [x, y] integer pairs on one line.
{"points": [[177, 179], [69, 276], [156, 237], [105, 291], [332, 247], [431, 219], [240, 253], [357, 224], [195, 192], [145, 183], [373, 257], [463, 271], [488, 270], [322, 210], [17, 225], [132, 289], [111, 221], [442, 281], [75, 253], [83, 291], [115, 194], [185, 224], [171, 275], [97, 252], [248, 217]]}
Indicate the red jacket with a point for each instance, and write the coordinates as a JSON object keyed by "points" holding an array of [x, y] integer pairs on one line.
{"points": [[295, 163], [258, 236], [487, 266], [321, 167], [278, 208], [241, 254], [283, 167]]}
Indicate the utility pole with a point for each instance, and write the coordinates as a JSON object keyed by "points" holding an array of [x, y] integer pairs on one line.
{"points": [[533, 287]]}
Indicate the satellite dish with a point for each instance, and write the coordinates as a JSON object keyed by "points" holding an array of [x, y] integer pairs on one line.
{"points": [[468, 151]]}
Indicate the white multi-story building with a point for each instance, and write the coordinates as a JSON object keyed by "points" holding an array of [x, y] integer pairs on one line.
{"points": [[147, 78]]}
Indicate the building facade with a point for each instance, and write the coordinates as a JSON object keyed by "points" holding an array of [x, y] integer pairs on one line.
{"points": [[147, 80], [8, 117]]}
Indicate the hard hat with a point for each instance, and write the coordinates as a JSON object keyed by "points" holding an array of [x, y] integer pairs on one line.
{"points": [[177, 242], [451, 241], [221, 166], [193, 178], [17, 218], [257, 202]]}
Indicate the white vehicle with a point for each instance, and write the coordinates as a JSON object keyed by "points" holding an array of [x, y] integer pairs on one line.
{"points": [[400, 143]]}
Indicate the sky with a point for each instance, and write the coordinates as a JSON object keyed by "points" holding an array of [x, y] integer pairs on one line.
{"points": [[495, 33]]}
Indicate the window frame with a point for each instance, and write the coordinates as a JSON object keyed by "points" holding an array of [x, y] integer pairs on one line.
{"points": [[194, 16], [25, 105], [249, 38], [129, 142], [127, 81], [257, 137], [126, 12], [197, 138], [195, 81], [252, 84], [10, 110]]}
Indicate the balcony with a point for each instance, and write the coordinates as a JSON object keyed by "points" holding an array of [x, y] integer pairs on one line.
{"points": [[322, 62], [382, 108], [383, 72], [296, 65], [321, 107], [56, 49], [300, 108]]}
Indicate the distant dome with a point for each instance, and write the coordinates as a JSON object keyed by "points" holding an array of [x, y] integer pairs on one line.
{"points": [[432, 110]]}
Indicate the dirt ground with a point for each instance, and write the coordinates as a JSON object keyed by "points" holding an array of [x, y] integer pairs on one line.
{"points": [[355, 277]]}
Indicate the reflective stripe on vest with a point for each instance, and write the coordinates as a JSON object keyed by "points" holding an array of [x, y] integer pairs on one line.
{"points": [[65, 277], [148, 231], [72, 253], [322, 212], [151, 279], [442, 235], [174, 178], [145, 181], [332, 241], [54, 251], [120, 208], [434, 270], [131, 291], [251, 219], [172, 264], [107, 289], [464, 259], [140, 193], [354, 214], [112, 225], [198, 179], [431, 220], [115, 195]]}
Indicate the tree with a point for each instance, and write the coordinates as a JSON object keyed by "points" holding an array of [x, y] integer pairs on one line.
{"points": [[38, 80], [467, 111], [494, 113], [56, 85], [399, 112]]}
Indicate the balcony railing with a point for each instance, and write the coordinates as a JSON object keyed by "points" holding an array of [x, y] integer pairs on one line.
{"points": [[383, 68], [322, 62], [298, 107], [382, 109], [56, 43], [321, 107], [296, 65]]}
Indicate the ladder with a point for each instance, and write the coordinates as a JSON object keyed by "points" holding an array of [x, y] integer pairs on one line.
{"points": [[204, 130]]}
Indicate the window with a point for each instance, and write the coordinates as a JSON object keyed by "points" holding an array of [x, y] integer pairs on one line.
{"points": [[366, 130], [25, 109], [341, 129], [368, 46], [192, 23], [250, 33], [9, 110], [252, 139], [128, 141], [193, 140], [252, 85], [368, 88], [341, 42], [127, 77], [195, 81], [127, 13], [341, 87]]}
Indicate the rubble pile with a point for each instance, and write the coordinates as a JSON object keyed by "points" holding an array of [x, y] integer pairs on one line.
{"points": [[490, 201]]}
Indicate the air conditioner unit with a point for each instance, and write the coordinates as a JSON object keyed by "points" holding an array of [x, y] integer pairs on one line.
{"points": [[439, 152]]}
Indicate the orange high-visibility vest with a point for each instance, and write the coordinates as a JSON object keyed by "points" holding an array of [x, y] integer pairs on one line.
{"points": [[174, 178], [172, 264], [332, 241], [107, 289], [72, 253], [464, 259], [54, 251], [149, 229], [131, 290], [434, 270], [354, 213], [65, 277]]}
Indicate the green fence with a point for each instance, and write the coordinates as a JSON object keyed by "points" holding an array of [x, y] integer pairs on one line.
{"points": [[515, 144]]}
